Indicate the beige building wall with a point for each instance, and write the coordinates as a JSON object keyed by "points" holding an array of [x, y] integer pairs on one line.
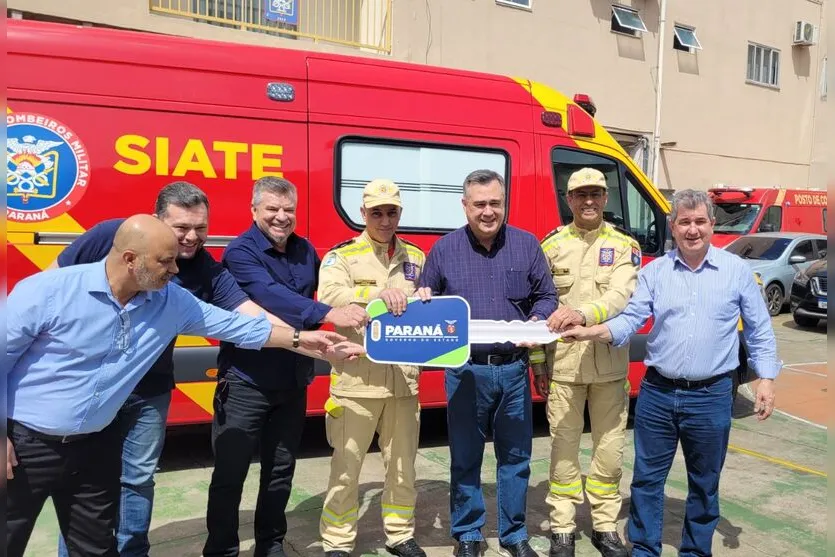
{"points": [[822, 165], [715, 127]]}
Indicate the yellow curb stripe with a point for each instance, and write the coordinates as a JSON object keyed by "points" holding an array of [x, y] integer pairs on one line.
{"points": [[778, 461]]}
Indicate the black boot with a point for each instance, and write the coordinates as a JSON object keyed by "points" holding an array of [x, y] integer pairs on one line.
{"points": [[562, 545], [608, 544], [409, 548]]}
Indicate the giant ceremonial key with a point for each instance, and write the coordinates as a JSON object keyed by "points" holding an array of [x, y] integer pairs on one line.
{"points": [[439, 333]]}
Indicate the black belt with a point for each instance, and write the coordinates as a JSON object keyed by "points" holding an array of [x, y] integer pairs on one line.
{"points": [[652, 376], [498, 359], [21, 429]]}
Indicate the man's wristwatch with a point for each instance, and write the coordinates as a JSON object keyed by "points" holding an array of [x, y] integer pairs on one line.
{"points": [[296, 338], [583, 315]]}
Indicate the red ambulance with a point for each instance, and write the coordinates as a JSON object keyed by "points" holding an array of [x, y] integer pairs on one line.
{"points": [[743, 210], [99, 120]]}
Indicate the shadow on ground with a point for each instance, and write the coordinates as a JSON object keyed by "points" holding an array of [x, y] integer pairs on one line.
{"points": [[193, 449], [789, 323], [432, 523]]}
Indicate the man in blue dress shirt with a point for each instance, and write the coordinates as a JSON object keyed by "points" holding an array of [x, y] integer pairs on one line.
{"points": [[696, 293], [261, 397], [79, 340], [142, 418], [502, 272]]}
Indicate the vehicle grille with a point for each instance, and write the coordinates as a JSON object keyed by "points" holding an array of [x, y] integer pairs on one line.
{"points": [[820, 285]]}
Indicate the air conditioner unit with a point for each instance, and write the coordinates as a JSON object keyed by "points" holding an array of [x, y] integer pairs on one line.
{"points": [[805, 33]]}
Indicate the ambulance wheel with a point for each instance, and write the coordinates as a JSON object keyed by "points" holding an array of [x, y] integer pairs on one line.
{"points": [[774, 298]]}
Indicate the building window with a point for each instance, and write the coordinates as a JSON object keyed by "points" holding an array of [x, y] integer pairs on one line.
{"points": [[516, 3], [627, 21], [685, 39], [430, 177], [763, 65]]}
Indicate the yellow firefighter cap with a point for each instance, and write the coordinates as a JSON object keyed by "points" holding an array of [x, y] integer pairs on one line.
{"points": [[586, 177], [380, 192]]}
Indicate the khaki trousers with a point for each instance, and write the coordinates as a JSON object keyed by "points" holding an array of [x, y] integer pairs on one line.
{"points": [[350, 425], [608, 409]]}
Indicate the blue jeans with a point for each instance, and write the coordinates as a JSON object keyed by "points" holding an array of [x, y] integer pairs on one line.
{"points": [[141, 423], [482, 397], [701, 419]]}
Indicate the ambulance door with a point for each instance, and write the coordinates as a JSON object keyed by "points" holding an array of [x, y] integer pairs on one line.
{"points": [[633, 206]]}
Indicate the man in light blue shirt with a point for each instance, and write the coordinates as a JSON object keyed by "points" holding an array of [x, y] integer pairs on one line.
{"points": [[79, 339], [696, 294]]}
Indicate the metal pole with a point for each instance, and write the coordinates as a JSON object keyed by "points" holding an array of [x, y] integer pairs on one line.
{"points": [[656, 136]]}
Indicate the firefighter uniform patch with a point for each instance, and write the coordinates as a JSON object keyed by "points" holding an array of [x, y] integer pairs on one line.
{"points": [[636, 257], [331, 259], [409, 270], [607, 257]]}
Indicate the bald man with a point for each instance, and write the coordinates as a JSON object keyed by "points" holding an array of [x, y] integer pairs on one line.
{"points": [[79, 339], [142, 418]]}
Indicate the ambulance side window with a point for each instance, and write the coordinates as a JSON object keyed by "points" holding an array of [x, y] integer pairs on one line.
{"points": [[430, 178], [772, 219], [642, 218], [566, 162], [628, 207]]}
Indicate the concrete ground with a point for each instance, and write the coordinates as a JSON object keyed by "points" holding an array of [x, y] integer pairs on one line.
{"points": [[773, 489]]}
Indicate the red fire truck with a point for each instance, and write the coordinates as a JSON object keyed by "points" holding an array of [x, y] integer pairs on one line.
{"points": [[743, 210], [95, 132]]}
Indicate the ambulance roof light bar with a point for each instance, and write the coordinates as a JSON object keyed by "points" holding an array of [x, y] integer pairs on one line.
{"points": [[586, 103], [722, 188]]}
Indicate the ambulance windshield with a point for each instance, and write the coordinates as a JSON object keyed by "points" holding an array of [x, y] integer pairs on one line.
{"points": [[735, 218]]}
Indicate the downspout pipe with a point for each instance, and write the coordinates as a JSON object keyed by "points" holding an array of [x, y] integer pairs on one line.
{"points": [[656, 136]]}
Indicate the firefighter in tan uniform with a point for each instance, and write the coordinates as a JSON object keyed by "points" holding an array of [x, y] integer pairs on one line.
{"points": [[366, 397], [594, 267]]}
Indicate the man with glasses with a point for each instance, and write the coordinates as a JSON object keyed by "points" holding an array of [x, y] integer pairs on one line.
{"points": [[594, 267]]}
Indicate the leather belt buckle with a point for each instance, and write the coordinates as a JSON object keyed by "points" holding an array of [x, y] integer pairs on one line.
{"points": [[495, 359]]}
